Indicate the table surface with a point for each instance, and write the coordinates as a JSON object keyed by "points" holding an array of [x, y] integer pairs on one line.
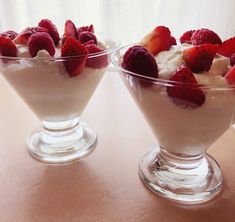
{"points": [[104, 186]]}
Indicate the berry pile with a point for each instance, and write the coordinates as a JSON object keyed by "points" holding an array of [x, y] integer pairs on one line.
{"points": [[76, 43], [203, 46]]}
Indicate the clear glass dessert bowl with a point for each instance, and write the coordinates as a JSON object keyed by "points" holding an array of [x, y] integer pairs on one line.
{"points": [[179, 168], [58, 100]]}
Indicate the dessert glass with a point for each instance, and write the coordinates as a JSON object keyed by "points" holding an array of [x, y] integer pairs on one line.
{"points": [[58, 100], [179, 168]]}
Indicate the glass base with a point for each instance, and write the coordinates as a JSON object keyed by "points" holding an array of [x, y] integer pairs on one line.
{"points": [[183, 180], [63, 142]]}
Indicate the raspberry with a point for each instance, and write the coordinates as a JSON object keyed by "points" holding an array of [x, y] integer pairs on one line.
{"points": [[98, 61], [186, 37], [10, 34], [137, 59], [73, 47], [23, 37], [185, 91], [199, 58], [7, 47], [40, 41], [205, 36], [52, 30], [89, 28], [87, 36]]}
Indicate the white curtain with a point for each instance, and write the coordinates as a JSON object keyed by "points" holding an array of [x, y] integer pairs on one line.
{"points": [[125, 20]]}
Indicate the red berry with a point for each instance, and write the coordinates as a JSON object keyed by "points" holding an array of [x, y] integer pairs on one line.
{"points": [[205, 36], [10, 34], [40, 41], [185, 91], [89, 28], [52, 30], [23, 37], [230, 76], [232, 59], [7, 47], [73, 47], [70, 30], [87, 36], [199, 58], [99, 61], [158, 40], [227, 48], [186, 37], [172, 42]]}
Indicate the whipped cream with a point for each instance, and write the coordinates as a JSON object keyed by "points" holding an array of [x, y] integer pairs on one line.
{"points": [[47, 88]]}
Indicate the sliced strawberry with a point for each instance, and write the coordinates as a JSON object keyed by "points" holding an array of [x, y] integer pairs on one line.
{"points": [[7, 47], [185, 91], [52, 30], [10, 34], [76, 49], [158, 40], [230, 76], [199, 58], [23, 37], [172, 42], [70, 30], [98, 61], [227, 48], [232, 59], [40, 41], [186, 37], [205, 36], [89, 28], [86, 37]]}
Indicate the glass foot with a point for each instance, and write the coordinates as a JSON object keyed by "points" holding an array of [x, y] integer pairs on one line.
{"points": [[63, 142], [183, 180]]}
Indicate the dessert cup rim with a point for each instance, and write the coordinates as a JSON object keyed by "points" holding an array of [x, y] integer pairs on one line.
{"points": [[115, 59]]}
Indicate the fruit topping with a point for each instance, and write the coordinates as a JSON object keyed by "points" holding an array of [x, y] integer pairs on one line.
{"points": [[78, 55], [87, 36], [98, 61], [40, 41], [52, 30], [137, 59], [227, 48], [199, 58], [186, 37], [232, 59], [10, 34], [158, 40], [205, 36], [185, 91], [7, 47], [230, 76], [89, 28], [23, 37], [70, 30]]}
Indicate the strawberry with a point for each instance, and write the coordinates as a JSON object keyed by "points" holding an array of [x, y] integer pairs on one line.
{"points": [[23, 37], [205, 36], [199, 58], [227, 48], [7, 47], [89, 28], [76, 49], [172, 42], [87, 36], [39, 41], [70, 30], [158, 40], [10, 34], [184, 91], [186, 37], [99, 61], [232, 59], [230, 76], [137, 59], [52, 30]]}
